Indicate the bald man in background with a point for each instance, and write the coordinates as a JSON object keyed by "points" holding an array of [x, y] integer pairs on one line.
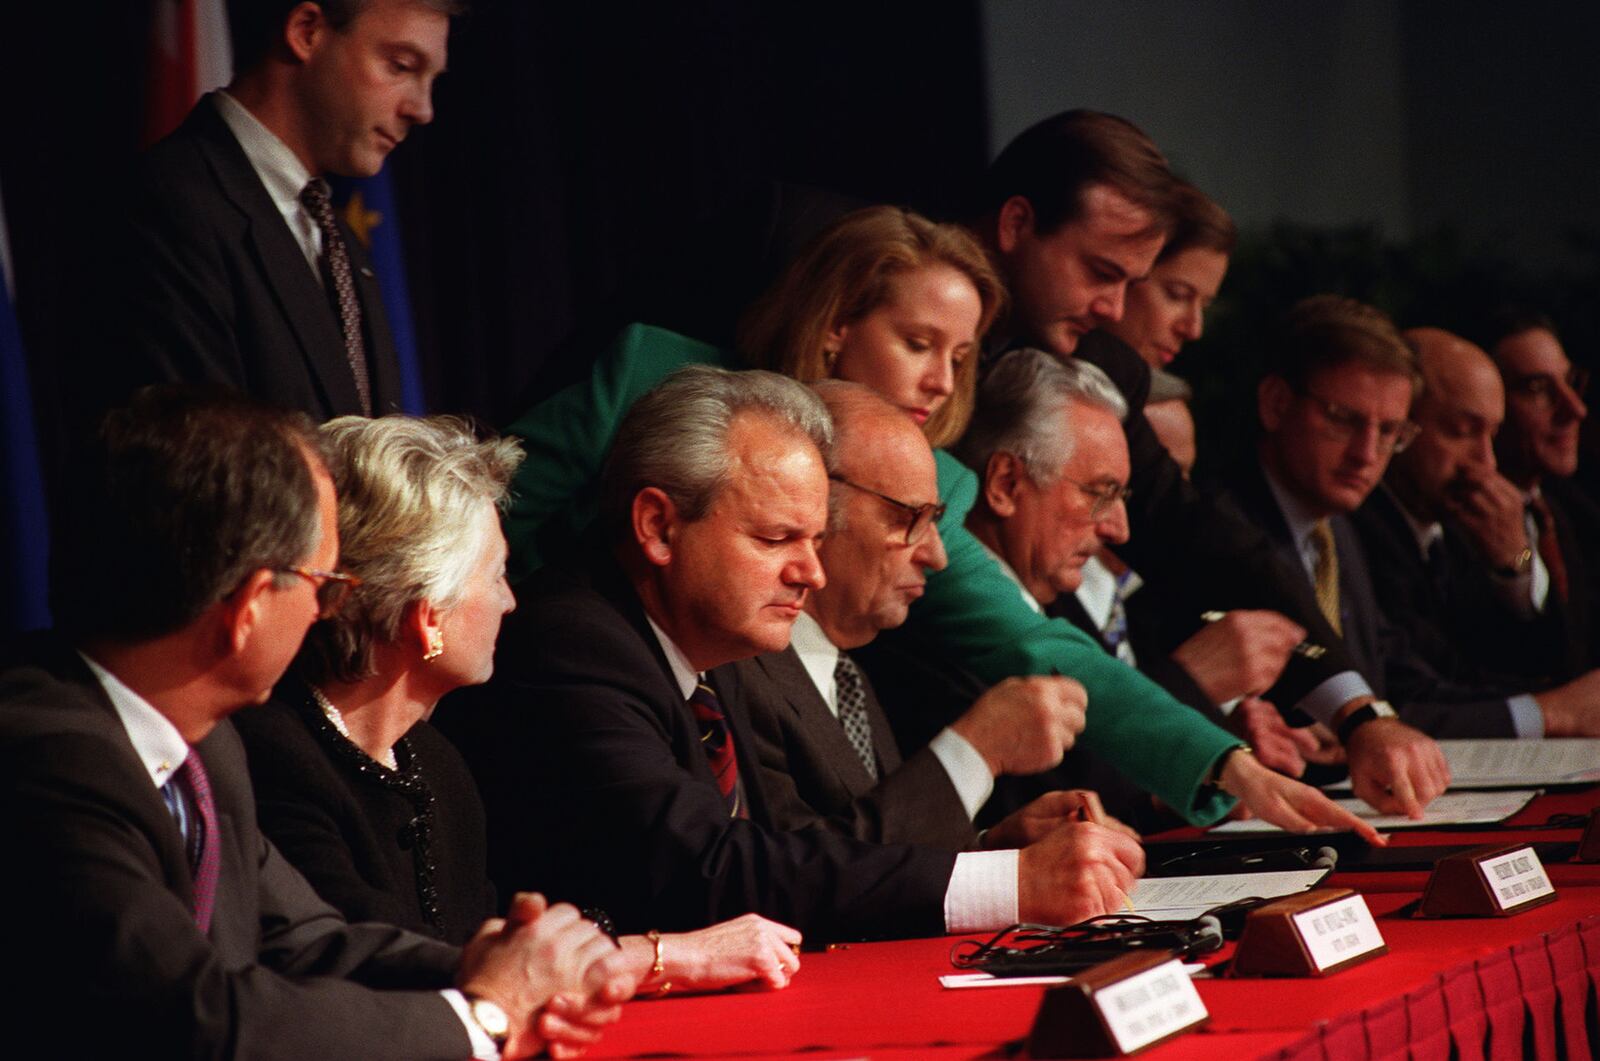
{"points": [[1445, 535]]}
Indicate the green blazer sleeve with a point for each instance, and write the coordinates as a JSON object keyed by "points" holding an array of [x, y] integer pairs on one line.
{"points": [[971, 607], [568, 435], [977, 613]]}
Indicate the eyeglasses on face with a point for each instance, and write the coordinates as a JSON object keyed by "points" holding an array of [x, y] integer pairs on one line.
{"points": [[333, 588], [921, 516], [1104, 494], [1345, 424], [1542, 387]]}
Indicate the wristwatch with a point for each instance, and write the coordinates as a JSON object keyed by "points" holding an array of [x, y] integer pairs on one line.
{"points": [[491, 1019], [1361, 716], [1520, 566]]}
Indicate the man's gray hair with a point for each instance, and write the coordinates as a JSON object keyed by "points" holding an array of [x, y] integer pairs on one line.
{"points": [[1023, 409], [417, 509], [676, 437]]}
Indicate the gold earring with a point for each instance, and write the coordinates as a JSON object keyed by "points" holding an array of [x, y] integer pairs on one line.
{"points": [[435, 646]]}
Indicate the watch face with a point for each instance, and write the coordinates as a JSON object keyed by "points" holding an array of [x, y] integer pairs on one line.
{"points": [[491, 1018]]}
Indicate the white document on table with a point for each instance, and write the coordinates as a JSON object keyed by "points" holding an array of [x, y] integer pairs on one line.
{"points": [[956, 981], [1507, 763], [1186, 898], [1452, 808]]}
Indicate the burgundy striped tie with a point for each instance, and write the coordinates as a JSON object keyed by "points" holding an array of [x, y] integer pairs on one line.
{"points": [[717, 740]]}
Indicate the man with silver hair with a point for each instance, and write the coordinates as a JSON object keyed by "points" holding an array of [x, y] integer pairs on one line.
{"points": [[621, 754], [1047, 444]]}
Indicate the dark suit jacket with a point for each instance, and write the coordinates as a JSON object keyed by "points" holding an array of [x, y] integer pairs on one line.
{"points": [[810, 771], [1421, 696], [1577, 619], [211, 287], [103, 946], [1196, 555], [406, 847], [598, 789], [1449, 610]]}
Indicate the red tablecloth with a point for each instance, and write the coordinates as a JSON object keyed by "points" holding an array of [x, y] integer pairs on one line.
{"points": [[1489, 987]]}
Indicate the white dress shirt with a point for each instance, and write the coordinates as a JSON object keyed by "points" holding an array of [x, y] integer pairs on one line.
{"points": [[281, 172]]}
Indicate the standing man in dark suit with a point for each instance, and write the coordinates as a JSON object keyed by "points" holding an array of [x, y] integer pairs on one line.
{"points": [[1334, 408], [1074, 209], [150, 910], [825, 745], [234, 268], [619, 762]]}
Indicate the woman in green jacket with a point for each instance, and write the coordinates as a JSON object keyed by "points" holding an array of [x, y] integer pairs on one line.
{"points": [[887, 298]]}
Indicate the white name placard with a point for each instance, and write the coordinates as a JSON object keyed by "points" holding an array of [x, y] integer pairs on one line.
{"points": [[1516, 877], [1336, 933], [1150, 1005]]}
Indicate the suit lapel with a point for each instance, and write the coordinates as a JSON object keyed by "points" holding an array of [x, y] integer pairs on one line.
{"points": [[299, 293], [821, 726], [163, 829]]}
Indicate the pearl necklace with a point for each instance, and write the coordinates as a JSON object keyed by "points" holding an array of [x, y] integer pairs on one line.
{"points": [[337, 718]]}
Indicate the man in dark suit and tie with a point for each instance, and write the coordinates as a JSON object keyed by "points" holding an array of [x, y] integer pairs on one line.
{"points": [[1334, 408], [613, 746], [1538, 451], [1449, 539], [147, 908], [825, 745], [233, 267], [1074, 209]]}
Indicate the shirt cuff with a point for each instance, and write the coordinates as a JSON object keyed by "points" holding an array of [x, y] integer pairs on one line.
{"points": [[483, 1048], [968, 771], [1527, 719], [1323, 702], [982, 896]]}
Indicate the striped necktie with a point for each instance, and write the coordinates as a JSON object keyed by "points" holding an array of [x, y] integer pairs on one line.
{"points": [[717, 741]]}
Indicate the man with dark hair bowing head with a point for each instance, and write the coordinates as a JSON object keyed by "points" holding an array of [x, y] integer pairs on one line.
{"points": [[234, 268], [619, 748], [1074, 209], [148, 909]]}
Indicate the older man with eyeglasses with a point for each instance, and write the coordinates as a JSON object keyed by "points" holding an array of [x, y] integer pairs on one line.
{"points": [[824, 739]]}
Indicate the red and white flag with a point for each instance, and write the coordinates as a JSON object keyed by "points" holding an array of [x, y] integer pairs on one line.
{"points": [[189, 56]]}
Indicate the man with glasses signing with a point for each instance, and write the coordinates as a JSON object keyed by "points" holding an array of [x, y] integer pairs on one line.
{"points": [[823, 738]]}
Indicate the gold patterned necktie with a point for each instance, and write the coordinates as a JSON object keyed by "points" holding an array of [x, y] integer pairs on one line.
{"points": [[1325, 574]]}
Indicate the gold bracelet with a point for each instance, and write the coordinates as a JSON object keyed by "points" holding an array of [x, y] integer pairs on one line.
{"points": [[1222, 764], [659, 967]]}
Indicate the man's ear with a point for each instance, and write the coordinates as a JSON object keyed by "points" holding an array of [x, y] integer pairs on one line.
{"points": [[1013, 223], [1273, 396], [303, 29], [655, 525], [1003, 478], [241, 610]]}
